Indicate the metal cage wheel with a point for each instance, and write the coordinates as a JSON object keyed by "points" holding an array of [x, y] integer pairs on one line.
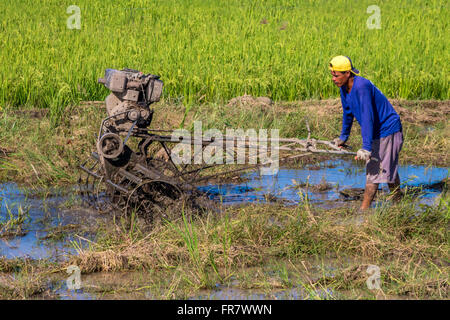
{"points": [[151, 197]]}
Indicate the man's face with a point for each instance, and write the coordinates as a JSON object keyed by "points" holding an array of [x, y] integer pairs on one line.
{"points": [[340, 78]]}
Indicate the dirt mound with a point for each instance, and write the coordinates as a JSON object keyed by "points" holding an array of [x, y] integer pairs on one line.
{"points": [[250, 102], [422, 112]]}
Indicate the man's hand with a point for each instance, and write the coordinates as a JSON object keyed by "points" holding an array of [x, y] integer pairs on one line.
{"points": [[363, 155], [338, 142]]}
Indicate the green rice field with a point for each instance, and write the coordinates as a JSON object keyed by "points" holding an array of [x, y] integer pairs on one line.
{"points": [[210, 51]]}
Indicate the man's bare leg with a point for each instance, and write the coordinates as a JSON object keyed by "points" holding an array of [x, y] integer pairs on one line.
{"points": [[394, 188], [369, 194]]}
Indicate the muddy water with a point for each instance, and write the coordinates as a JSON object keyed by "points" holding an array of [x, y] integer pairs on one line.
{"points": [[139, 285], [123, 285], [295, 293], [48, 230], [329, 181], [220, 293]]}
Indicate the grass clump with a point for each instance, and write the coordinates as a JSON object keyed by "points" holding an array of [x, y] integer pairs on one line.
{"points": [[23, 278], [14, 224]]}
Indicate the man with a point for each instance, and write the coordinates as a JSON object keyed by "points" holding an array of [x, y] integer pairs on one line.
{"points": [[381, 129]]}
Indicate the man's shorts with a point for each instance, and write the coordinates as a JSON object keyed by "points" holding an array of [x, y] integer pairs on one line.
{"points": [[386, 151]]}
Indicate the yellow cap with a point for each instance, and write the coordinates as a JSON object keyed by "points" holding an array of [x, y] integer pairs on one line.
{"points": [[342, 63]]}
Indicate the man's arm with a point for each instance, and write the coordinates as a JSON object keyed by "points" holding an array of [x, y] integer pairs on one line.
{"points": [[347, 121], [367, 117]]}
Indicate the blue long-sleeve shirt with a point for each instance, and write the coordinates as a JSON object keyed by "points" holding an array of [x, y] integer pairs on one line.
{"points": [[372, 110]]}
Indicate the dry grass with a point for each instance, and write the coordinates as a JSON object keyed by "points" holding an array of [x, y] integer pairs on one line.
{"points": [[23, 278], [21, 287]]}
